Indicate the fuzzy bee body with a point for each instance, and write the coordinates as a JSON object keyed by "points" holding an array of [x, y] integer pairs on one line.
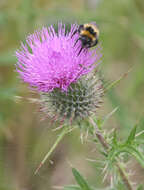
{"points": [[88, 35]]}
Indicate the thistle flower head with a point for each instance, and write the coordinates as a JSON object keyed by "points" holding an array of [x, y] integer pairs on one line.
{"points": [[50, 60], [49, 63]]}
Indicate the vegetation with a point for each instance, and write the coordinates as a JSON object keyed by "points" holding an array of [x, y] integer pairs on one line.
{"points": [[24, 139]]}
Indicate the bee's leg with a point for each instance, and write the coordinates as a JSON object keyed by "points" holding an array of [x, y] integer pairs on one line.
{"points": [[76, 41], [74, 33], [80, 51]]}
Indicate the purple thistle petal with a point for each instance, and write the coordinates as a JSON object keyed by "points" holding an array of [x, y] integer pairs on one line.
{"points": [[49, 60]]}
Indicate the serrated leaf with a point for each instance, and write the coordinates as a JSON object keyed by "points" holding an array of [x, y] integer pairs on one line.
{"points": [[132, 135], [72, 187], [80, 180]]}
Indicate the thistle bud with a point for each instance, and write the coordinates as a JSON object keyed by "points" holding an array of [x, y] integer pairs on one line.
{"points": [[80, 101]]}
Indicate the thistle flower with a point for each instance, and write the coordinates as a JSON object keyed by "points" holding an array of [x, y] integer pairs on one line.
{"points": [[50, 64], [49, 60], [66, 82]]}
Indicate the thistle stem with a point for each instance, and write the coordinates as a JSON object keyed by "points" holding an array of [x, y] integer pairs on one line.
{"points": [[60, 137], [106, 147], [123, 176]]}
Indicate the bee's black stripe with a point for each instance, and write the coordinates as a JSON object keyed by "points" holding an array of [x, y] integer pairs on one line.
{"points": [[91, 30]]}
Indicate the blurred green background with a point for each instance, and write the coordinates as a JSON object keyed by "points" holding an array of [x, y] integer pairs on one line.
{"points": [[24, 139]]}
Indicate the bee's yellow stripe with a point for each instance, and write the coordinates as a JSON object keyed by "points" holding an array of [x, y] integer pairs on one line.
{"points": [[87, 33], [94, 28]]}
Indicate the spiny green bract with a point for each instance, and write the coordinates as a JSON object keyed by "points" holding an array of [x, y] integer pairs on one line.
{"points": [[81, 100]]}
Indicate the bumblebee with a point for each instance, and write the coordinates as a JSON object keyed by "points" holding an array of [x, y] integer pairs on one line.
{"points": [[88, 35]]}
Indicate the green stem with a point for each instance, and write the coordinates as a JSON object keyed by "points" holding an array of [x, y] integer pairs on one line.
{"points": [[106, 147], [124, 176], [62, 134]]}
